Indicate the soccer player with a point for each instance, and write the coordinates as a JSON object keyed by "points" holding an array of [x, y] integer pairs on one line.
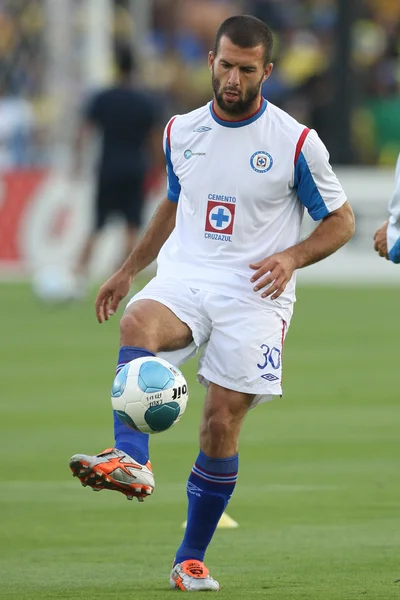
{"points": [[126, 120], [240, 173], [387, 237]]}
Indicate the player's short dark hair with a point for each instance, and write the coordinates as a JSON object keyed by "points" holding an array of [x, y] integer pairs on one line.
{"points": [[124, 59], [246, 31]]}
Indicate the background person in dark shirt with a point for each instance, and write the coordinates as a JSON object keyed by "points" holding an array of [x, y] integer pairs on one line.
{"points": [[125, 117]]}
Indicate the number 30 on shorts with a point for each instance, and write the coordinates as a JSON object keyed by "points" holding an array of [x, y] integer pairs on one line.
{"points": [[271, 356]]}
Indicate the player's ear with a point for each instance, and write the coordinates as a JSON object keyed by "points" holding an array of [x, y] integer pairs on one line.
{"points": [[211, 58], [268, 71]]}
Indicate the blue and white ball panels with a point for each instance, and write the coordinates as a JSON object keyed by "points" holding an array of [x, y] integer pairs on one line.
{"points": [[149, 394]]}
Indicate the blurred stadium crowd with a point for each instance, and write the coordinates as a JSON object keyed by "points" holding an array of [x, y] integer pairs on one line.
{"points": [[172, 63]]}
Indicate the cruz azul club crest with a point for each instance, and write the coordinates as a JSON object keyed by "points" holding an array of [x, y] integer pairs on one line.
{"points": [[261, 161], [220, 217]]}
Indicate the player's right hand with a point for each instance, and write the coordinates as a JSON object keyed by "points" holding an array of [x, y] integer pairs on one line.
{"points": [[111, 293], [380, 239]]}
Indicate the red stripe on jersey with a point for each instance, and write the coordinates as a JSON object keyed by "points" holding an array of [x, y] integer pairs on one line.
{"points": [[300, 143], [169, 132], [282, 343]]}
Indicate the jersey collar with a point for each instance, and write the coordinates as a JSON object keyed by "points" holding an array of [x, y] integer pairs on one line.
{"points": [[241, 123]]}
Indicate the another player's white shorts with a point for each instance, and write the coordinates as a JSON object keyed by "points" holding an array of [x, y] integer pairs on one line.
{"points": [[242, 343]]}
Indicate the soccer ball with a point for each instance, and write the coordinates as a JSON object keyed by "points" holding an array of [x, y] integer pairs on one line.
{"points": [[149, 394]]}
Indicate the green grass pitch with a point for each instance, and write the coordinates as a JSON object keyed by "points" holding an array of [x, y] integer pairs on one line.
{"points": [[318, 496]]}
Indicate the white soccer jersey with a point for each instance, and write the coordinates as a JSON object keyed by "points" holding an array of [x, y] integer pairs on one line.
{"points": [[241, 189], [393, 230]]}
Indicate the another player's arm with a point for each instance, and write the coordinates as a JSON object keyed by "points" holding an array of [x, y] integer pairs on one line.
{"points": [[319, 190], [88, 123], [387, 237]]}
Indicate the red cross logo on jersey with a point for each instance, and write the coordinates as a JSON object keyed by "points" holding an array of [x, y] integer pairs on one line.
{"points": [[261, 162], [220, 217]]}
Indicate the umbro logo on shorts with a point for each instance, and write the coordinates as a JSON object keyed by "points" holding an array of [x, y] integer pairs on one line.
{"points": [[270, 377]]}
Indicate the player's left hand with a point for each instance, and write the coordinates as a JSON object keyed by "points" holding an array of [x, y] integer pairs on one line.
{"points": [[380, 239], [278, 270]]}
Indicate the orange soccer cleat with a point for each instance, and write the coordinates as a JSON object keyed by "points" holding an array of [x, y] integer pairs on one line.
{"points": [[192, 576], [112, 469]]}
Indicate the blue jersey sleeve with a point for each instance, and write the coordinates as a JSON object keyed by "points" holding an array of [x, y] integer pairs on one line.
{"points": [[318, 188], [393, 231], [174, 187]]}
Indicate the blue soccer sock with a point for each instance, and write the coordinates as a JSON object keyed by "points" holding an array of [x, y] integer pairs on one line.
{"points": [[134, 443], [209, 488]]}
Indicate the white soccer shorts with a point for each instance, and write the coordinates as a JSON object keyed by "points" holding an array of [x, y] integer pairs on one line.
{"points": [[242, 343]]}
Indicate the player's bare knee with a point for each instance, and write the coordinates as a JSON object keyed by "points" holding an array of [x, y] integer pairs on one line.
{"points": [[219, 432], [219, 425], [135, 330]]}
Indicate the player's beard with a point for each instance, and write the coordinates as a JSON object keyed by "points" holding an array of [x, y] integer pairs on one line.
{"points": [[242, 104]]}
